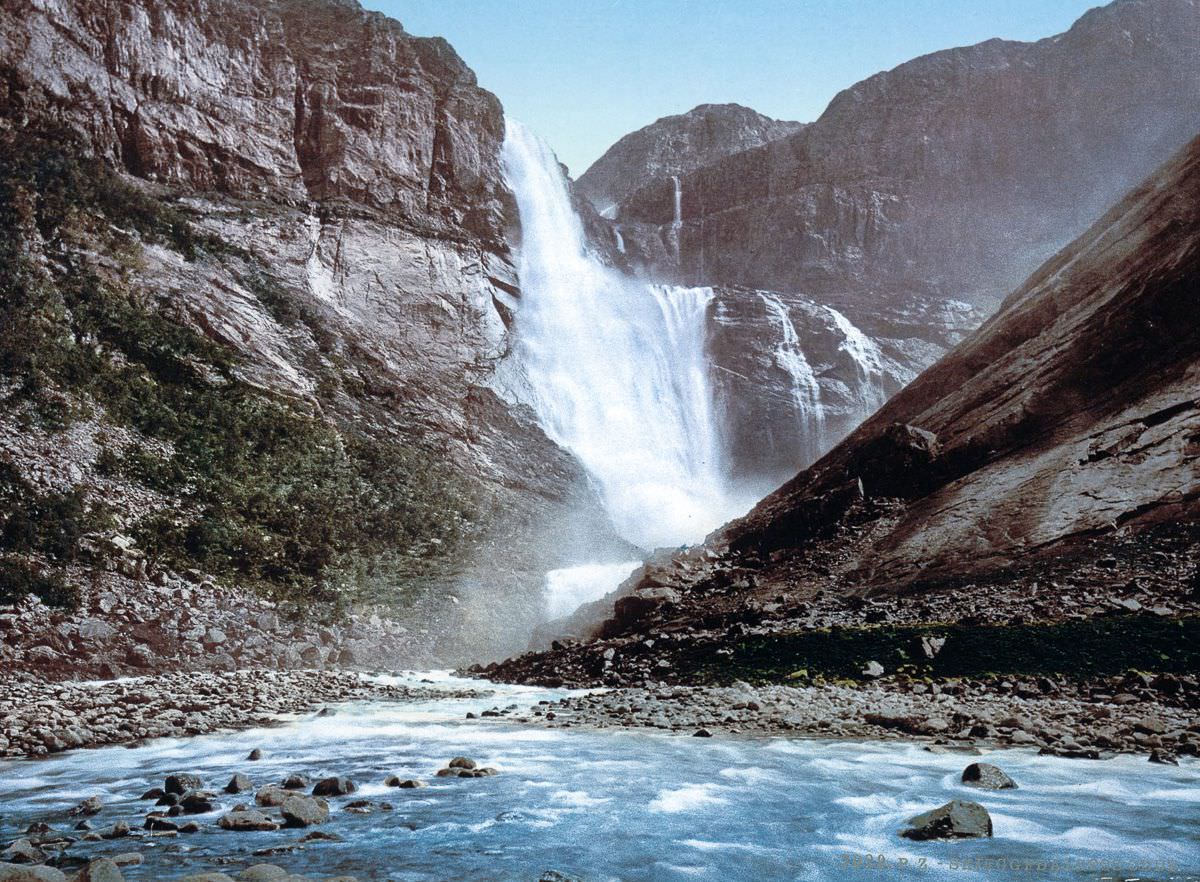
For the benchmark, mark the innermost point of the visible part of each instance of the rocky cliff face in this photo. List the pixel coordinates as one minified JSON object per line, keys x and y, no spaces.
{"x":330,"y":213}
{"x":675,"y":145}
{"x":953,"y":174}
{"x":793,"y":376}
{"x":289,"y":101}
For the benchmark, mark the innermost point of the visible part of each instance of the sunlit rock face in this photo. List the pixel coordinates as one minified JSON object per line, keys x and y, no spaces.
{"x":290,"y":101}
{"x":954,"y":174}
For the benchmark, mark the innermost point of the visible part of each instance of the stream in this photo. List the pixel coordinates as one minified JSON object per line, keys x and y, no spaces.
{"x":622,"y":805}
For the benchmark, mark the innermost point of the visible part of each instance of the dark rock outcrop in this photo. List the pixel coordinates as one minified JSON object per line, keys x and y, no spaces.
{"x":956,"y":819}
{"x":987,"y":777}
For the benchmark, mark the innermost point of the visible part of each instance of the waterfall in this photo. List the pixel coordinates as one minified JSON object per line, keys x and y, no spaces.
{"x":678,"y":221}
{"x":619,"y":238}
{"x":617,"y":369}
{"x":806,"y":391}
{"x":868,"y":362}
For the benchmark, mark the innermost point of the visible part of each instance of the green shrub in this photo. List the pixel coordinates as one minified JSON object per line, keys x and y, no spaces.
{"x":50,"y":524}
{"x":19,"y":577}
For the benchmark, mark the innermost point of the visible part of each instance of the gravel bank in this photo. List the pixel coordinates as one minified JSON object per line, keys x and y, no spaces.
{"x":39,"y":718}
{"x":949,"y":715}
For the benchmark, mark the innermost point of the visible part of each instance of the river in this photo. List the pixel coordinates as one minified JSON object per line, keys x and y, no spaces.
{"x":620,"y":805}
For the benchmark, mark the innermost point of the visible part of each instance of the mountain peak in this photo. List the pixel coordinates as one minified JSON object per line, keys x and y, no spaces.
{"x":675,"y":145}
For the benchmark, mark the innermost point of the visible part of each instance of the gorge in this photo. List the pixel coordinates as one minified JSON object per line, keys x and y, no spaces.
{"x":761,"y":483}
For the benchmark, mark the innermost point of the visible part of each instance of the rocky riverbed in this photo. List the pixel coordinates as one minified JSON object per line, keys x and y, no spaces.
{"x":970,"y":716}
{"x":41,"y":718}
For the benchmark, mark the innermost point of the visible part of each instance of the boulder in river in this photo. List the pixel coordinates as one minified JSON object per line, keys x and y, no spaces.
{"x":249,"y":819}
{"x":180,"y":784}
{"x":403,"y":783}
{"x":90,"y":806}
{"x":295,"y":782}
{"x":262,"y":873}
{"x":238,"y":783}
{"x":196,"y":803}
{"x":22,"y":852}
{"x":462,"y":762}
{"x":272,"y":795}
{"x":987,"y":777}
{"x":101,"y":870}
{"x":254,"y":755}
{"x":304,"y":811}
{"x":957,"y":819}
{"x":337,"y":786}
{"x":20,"y":873}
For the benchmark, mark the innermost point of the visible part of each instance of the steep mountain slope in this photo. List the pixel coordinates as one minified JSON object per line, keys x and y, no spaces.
{"x":1071,"y":412}
{"x":1047,"y":469}
{"x":955,"y":173}
{"x":254,"y":264}
{"x":675,"y":145}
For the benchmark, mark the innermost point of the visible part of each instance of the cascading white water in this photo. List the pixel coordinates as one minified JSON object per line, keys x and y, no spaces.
{"x":617,"y":368}
{"x":868,"y":361}
{"x":677,"y":219}
{"x":806,"y":391}
{"x":620,"y":240}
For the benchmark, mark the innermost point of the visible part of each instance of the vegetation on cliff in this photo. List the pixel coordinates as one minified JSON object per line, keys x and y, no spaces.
{"x":255,"y":487}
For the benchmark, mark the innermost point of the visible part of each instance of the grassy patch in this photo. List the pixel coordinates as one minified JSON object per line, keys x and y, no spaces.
{"x":1094,"y":647}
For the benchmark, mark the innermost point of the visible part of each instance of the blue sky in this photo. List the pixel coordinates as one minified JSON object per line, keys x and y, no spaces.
{"x":582,"y":73}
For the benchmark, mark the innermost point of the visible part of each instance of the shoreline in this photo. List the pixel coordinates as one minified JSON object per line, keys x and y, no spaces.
{"x":43,"y":718}
{"x":40,"y":718}
{"x":1068,"y":727}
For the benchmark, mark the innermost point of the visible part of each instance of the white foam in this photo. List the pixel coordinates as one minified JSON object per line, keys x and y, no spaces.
{"x":687,"y":798}
{"x":617,"y":369}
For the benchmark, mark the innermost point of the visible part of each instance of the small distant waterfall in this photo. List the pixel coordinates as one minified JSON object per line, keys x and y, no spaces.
{"x":619,"y":238}
{"x":806,"y":391}
{"x":617,"y":368}
{"x":868,"y":362}
{"x":677,"y":221}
